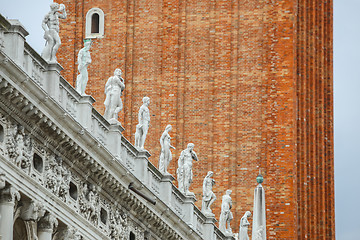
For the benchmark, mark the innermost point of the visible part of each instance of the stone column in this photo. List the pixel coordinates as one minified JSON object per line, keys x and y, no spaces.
{"x":8,"y":198}
{"x":46,"y":226}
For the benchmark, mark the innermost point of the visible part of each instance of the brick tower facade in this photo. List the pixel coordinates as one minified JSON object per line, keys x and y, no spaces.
{"x":249,"y":82}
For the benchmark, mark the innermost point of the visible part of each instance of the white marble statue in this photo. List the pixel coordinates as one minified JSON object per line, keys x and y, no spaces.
{"x":143,"y":126}
{"x":244,"y":224}
{"x":50,"y":24}
{"x":184,"y":171}
{"x":84,"y":60}
{"x":226,"y":215}
{"x":165,"y":155}
{"x":208,"y":195}
{"x":114,"y":87}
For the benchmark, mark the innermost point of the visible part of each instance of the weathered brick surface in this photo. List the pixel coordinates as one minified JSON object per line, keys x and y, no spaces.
{"x":248,"y":81}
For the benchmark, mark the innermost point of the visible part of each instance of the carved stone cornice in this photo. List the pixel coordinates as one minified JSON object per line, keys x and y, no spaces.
{"x":9,"y":195}
{"x":47,"y":222}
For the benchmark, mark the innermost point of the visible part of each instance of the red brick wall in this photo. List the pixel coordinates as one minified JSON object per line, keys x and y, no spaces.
{"x":236,"y":78}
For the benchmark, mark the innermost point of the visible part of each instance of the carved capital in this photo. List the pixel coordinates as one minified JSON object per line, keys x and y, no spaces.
{"x":67,"y":233}
{"x":48,"y":222}
{"x":32,"y":210}
{"x":9,"y":195}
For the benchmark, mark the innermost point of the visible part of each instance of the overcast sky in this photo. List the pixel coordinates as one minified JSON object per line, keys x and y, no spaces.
{"x":347,"y":99}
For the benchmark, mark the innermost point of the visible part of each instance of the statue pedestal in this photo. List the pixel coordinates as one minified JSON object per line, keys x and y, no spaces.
{"x":114,"y":122}
{"x":229,"y":236}
{"x":209,"y":214}
{"x":85,"y":110}
{"x":141,"y":165}
{"x":166,"y":188}
{"x":209,"y":227}
{"x":114,"y":140}
{"x":189,"y":205}
{"x":51,"y":84}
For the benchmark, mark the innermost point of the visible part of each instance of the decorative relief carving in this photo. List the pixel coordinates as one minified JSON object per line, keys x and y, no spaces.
{"x":23,"y":148}
{"x":19,"y":146}
{"x":118,"y":225}
{"x":57,"y":178}
{"x":11,"y":142}
{"x":139,"y":233}
{"x":89,"y":203}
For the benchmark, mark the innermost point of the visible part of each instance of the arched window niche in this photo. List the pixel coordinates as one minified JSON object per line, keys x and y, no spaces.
{"x":94,"y":27}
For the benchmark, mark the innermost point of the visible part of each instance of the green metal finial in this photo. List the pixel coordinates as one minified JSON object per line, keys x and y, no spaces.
{"x":260,"y":178}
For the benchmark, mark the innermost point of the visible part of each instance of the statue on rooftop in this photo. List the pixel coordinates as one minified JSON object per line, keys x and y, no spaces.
{"x":208,"y":195}
{"x":84,"y":60}
{"x":244,"y":224}
{"x":114,"y":87}
{"x":165,"y":155}
{"x":50,"y":24}
{"x":143,"y":125}
{"x":226,"y":216}
{"x":184,"y":171}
